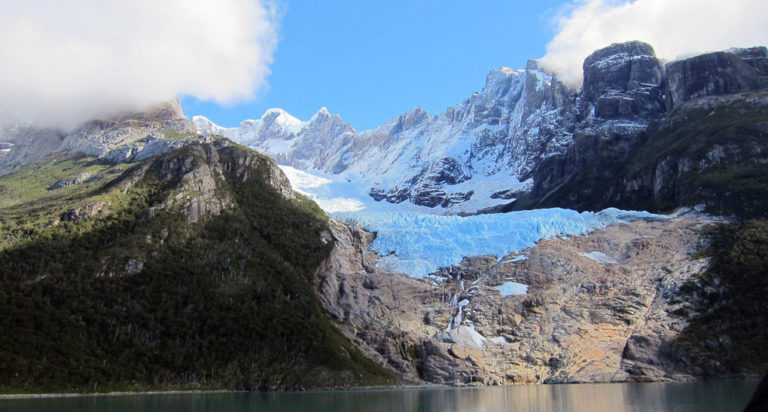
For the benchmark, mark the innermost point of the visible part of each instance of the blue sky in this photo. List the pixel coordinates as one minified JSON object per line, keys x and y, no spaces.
{"x":369,"y":61}
{"x":365,"y":60}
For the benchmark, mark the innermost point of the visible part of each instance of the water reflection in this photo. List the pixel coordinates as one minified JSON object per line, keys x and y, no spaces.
{"x":699,"y":396}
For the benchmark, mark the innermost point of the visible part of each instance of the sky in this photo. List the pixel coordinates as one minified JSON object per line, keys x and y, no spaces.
{"x":65,"y":62}
{"x":369,"y":61}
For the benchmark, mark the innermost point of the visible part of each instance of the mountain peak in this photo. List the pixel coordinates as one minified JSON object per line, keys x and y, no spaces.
{"x":499,"y":76}
{"x":282,"y":119}
{"x":204,"y":125}
{"x":160,"y":112}
{"x":323,"y":112}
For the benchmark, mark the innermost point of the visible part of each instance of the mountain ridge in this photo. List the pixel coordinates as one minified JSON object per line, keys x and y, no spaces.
{"x":519,"y":121}
{"x":145,"y":211}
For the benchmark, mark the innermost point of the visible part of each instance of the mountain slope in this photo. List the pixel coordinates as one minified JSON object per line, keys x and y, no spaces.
{"x":430,"y":161}
{"x":124,"y":138}
{"x":193,"y":269}
{"x":526,"y":138}
{"x":709,"y":148}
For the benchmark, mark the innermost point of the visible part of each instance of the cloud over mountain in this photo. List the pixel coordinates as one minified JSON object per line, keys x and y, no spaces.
{"x":65,"y":62}
{"x":675,"y":28}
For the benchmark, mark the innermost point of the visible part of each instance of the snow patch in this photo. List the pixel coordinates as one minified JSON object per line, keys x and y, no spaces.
{"x":599,"y":257}
{"x":302,"y":181}
{"x":512,"y":288}
{"x":516,"y":259}
{"x":463,"y":335}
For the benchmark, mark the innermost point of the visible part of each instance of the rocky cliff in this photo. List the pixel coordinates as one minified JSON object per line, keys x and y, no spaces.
{"x":705,"y":143}
{"x":497,"y":135}
{"x":604,"y":307}
{"x":527,"y":137}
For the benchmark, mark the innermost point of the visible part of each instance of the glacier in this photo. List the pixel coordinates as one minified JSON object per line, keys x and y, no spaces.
{"x":419,"y":244}
{"x":418,"y":240}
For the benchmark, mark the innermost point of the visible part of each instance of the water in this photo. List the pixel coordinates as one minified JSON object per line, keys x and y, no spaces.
{"x":677,"y":397}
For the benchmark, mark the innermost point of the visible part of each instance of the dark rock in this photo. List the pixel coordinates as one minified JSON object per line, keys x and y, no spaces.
{"x":622,"y":81}
{"x":428,"y":196}
{"x":471,"y":268}
{"x":445,"y":171}
{"x":556,"y":95}
{"x":507,"y":194}
{"x":84,"y":177}
{"x":456,"y":198}
{"x":556,"y":363}
{"x":642,"y":348}
{"x":377,"y":194}
{"x":715,"y":74}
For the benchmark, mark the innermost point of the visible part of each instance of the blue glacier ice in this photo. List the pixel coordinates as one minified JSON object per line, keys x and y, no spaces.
{"x":418,"y":243}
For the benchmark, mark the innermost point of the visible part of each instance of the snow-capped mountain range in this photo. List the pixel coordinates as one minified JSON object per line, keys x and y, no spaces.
{"x":482,"y":150}
{"x":524,"y":141}
{"x":524,"y":133}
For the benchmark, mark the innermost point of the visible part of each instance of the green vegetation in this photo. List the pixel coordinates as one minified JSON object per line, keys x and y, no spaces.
{"x":31,"y":182}
{"x":730,"y":331}
{"x":130,"y":300}
{"x":173,"y":134}
{"x":29,"y":207}
{"x":712,"y":156}
{"x":716,"y":157}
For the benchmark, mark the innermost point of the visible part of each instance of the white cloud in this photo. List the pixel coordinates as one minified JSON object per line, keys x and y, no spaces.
{"x":62,"y":62}
{"x":675,"y":28}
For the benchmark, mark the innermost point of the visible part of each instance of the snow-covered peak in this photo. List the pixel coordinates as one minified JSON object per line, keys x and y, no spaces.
{"x":321,"y":114}
{"x":497,"y":78}
{"x":206,"y":126}
{"x":406,"y":121}
{"x":283,"y":120}
{"x":479,"y":153}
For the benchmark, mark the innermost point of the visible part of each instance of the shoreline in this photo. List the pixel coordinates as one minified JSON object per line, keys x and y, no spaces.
{"x":117,"y":393}
{"x":23,"y":396}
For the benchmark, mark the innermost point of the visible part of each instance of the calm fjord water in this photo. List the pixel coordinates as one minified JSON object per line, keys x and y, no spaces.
{"x":677,"y":397}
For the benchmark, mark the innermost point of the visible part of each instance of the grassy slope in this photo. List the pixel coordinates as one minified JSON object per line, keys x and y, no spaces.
{"x":225,"y":303}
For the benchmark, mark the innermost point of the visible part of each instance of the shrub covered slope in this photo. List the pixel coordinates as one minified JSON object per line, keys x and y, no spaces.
{"x":120,"y":283}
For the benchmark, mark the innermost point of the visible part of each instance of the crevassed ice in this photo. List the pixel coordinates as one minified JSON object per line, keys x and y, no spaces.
{"x":417,"y":241}
{"x":418,"y":244}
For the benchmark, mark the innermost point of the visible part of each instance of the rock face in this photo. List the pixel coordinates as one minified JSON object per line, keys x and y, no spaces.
{"x":715,"y":74}
{"x":688,"y":149}
{"x":126,"y":138}
{"x":197,"y":170}
{"x":24,"y":144}
{"x":500,"y":133}
{"x":525,"y":140}
{"x":599,"y":308}
{"x":135,"y":136}
{"x":623,"y":81}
